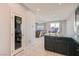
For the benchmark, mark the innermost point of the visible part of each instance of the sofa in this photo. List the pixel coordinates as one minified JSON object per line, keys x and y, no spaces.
{"x":63,"y":45}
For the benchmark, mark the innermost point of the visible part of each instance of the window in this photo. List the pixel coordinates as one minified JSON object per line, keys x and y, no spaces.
{"x":54,"y":27}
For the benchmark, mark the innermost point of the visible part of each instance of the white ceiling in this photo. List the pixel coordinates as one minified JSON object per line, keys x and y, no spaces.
{"x":51,"y":11}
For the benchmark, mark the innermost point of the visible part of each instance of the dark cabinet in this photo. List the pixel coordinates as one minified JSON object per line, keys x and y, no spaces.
{"x":63,"y":45}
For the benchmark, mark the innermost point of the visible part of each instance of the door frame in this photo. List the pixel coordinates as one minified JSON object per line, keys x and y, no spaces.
{"x":13,"y":51}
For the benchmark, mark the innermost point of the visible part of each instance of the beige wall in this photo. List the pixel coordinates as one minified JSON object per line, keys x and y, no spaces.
{"x":6,"y":11}
{"x":4,"y":29}
{"x":70,"y":25}
{"x":29,"y":28}
{"x":63,"y":28}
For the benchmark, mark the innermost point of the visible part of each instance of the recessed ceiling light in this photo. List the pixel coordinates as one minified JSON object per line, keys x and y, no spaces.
{"x":38,"y":9}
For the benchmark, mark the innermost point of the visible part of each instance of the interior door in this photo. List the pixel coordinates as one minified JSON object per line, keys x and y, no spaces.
{"x":16,"y":34}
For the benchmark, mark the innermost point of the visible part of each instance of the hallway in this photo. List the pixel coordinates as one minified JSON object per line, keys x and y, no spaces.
{"x":38,"y":50}
{"x":19,"y":23}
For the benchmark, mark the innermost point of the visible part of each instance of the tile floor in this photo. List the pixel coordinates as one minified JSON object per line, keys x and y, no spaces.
{"x":37,"y":50}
